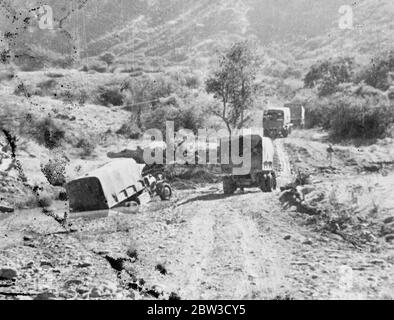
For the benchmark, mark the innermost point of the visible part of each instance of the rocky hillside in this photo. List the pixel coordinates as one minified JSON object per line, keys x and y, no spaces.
{"x":176,"y":31}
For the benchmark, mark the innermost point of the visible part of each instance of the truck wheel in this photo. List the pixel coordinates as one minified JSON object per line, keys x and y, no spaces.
{"x":165,"y":192}
{"x":268,"y":183}
{"x":229,"y":186}
{"x":265,"y":183}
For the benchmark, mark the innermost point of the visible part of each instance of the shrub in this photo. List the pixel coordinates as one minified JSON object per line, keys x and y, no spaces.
{"x":357,"y":118}
{"x":351,"y":116}
{"x":45,"y":200}
{"x":6,"y":74}
{"x":107,"y":95}
{"x":54,"y":75}
{"x":47,"y":87}
{"x":377,"y":73}
{"x":129,"y":130}
{"x":327,"y":75}
{"x":108,"y":58}
{"x":48,"y":132}
{"x":192,"y":81}
{"x":156,"y":118}
{"x":25,"y":90}
{"x":189,"y":118}
{"x":55,"y":170}
{"x":98,"y":66}
{"x":87,"y":147}
{"x":65,"y":62}
{"x":36,"y":58}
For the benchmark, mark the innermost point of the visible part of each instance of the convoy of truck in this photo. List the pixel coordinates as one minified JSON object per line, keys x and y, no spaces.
{"x":124,"y":180}
{"x":279,"y":121}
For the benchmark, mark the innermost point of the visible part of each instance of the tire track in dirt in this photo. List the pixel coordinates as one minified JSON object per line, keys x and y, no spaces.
{"x":223,"y":254}
{"x":285,"y":175}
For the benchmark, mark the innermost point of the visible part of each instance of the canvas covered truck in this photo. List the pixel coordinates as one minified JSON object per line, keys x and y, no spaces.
{"x":112,"y":185}
{"x":297,"y":113}
{"x":261,"y":172}
{"x":277,"y":122}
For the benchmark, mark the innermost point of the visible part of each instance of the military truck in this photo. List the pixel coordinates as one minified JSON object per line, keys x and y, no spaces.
{"x":277,"y":122}
{"x":297,"y":114}
{"x":114,"y":184}
{"x":261,"y":174}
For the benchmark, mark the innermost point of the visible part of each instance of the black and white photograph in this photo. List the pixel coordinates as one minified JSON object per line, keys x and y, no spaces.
{"x":196,"y":150}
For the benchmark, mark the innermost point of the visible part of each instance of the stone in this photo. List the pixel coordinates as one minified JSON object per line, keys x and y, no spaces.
{"x":390,"y":238}
{"x":287,"y":238}
{"x":84,"y":265}
{"x":387,"y":229}
{"x":45,"y":263}
{"x":8,"y":274}
{"x":45,"y":296}
{"x":72,"y":282}
{"x":5,"y":208}
{"x":388,"y":220}
{"x":95,"y":293}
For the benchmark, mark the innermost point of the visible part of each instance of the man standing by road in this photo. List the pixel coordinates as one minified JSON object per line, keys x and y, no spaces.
{"x":330,"y":151}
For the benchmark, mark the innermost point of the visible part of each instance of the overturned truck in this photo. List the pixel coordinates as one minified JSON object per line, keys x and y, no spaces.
{"x":112,"y":185}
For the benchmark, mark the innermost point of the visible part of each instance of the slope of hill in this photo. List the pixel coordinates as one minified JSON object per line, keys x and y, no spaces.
{"x":185,"y":30}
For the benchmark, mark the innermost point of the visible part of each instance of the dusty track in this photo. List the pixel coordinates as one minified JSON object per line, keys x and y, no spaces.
{"x":212,"y":246}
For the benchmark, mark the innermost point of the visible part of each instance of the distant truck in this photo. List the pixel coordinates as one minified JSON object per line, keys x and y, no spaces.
{"x":297,"y":114}
{"x":277,"y":122}
{"x":261,"y":175}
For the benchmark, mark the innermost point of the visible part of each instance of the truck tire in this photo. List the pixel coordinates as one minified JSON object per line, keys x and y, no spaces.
{"x":165,"y":192}
{"x":229,"y":187}
{"x":265,"y":183}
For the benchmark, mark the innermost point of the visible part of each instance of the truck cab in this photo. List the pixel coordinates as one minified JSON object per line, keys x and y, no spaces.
{"x":277,"y":122}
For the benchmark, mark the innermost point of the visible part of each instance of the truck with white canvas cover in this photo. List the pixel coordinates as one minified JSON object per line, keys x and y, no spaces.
{"x":261,"y":172}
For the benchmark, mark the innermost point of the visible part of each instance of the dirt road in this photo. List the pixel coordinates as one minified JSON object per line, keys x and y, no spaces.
{"x":208,"y":246}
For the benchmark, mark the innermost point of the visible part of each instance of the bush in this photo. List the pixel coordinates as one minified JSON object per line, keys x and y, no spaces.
{"x":47,"y":132}
{"x":189,"y":118}
{"x":6,"y":74}
{"x":55,"y":171}
{"x":129,"y":130}
{"x":47,"y":87}
{"x":108,"y":58}
{"x":25,"y":90}
{"x":98,"y":66}
{"x":107,"y":95}
{"x":87,"y":147}
{"x":156,"y":118}
{"x":357,"y":118}
{"x":377,"y":74}
{"x":351,"y":116}
{"x":36,"y":58}
{"x":326,"y":76}
{"x":45,"y":200}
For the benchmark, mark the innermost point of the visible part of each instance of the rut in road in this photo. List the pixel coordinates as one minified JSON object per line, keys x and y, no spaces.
{"x":224,"y":252}
{"x":224,"y":255}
